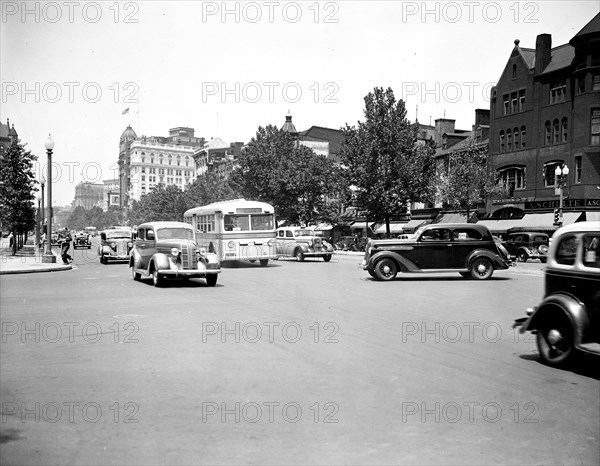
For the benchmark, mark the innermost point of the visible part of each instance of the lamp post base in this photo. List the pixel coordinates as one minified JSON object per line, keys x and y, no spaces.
{"x":48,"y":258}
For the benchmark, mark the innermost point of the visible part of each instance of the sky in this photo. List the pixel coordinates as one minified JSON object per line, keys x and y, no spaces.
{"x":83,"y":71}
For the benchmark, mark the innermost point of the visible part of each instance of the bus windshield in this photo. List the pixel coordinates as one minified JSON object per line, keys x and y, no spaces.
{"x":304,"y":233}
{"x":246,"y":222}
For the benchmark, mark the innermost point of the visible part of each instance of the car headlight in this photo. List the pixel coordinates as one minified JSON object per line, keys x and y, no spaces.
{"x":113,"y":245}
{"x":130,"y":244}
{"x":174,"y":251}
{"x":231,"y":245}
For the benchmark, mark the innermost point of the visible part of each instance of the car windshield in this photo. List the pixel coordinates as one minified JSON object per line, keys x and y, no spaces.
{"x":175,"y":233}
{"x":304,"y":233}
{"x":118,"y":234}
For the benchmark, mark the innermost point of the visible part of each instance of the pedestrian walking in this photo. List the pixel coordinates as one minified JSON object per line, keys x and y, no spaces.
{"x":65,"y":245}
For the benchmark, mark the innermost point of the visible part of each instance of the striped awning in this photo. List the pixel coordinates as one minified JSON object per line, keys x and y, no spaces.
{"x":535,"y":222}
{"x":395,"y":227}
{"x":360,"y":225}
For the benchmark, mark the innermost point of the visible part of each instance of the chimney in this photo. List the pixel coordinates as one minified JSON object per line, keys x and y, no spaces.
{"x":543,"y":52}
{"x":443,"y":125}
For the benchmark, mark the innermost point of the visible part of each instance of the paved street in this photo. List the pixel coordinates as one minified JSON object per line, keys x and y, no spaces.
{"x":295,"y":363}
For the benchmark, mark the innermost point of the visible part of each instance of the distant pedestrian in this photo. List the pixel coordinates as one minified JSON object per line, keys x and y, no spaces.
{"x":65,"y":245}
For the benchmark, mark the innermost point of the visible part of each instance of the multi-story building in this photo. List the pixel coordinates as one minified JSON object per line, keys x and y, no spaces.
{"x":145,"y":162}
{"x":88,"y":195}
{"x":8,"y":134}
{"x":545,"y":113}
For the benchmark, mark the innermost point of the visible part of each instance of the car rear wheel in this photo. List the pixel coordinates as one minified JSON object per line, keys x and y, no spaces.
{"x":263,"y":263}
{"x":522,"y":256}
{"x":386,"y":269}
{"x":543,"y":260}
{"x":102,"y":260}
{"x":555,"y":341}
{"x":299,"y":255}
{"x":327,"y":257}
{"x":156,"y":278}
{"x":136,"y":276}
{"x":211,"y":280}
{"x":482,"y":268}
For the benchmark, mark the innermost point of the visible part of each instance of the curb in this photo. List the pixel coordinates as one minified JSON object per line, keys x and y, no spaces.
{"x":58,"y":268}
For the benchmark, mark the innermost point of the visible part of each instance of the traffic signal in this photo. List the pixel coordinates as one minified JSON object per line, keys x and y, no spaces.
{"x":557,"y":217}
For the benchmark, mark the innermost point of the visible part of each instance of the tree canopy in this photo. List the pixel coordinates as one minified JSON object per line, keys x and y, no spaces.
{"x":383,"y":160}
{"x":17,"y":190}
{"x":275,"y":168}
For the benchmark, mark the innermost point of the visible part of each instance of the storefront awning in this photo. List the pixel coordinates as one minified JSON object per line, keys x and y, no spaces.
{"x":591,"y":217}
{"x":323,"y":227}
{"x":360,"y":225}
{"x":535,"y":222}
{"x":395,"y":227}
{"x":412,"y":225}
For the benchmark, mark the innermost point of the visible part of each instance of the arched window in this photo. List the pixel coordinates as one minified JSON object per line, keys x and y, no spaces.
{"x":160,"y":159}
{"x":549,"y":176}
{"x":502,"y":141}
{"x":523,"y":136}
{"x":512,"y":177}
{"x":564,"y":130}
{"x":516,"y":137}
{"x":548,"y":133}
{"x":178,"y":160}
{"x":187,"y":161}
{"x":555,"y":131}
{"x":508,"y":140}
{"x":170,"y":159}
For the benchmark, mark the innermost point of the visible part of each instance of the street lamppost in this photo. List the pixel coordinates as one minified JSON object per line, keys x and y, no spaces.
{"x":48,"y":256}
{"x":42,"y":184}
{"x":561,"y":175}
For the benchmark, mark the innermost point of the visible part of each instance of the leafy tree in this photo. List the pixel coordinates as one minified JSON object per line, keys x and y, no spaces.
{"x":209,"y":188}
{"x":17,"y":188}
{"x":163,"y":203}
{"x":383,"y":159}
{"x":77,"y":219}
{"x":275,"y":168}
{"x":464,"y":181}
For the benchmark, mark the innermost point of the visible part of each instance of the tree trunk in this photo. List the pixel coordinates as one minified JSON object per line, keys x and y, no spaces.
{"x":387,"y":227}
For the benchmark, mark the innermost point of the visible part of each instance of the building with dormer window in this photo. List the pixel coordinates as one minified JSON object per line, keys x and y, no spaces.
{"x":545,"y":113}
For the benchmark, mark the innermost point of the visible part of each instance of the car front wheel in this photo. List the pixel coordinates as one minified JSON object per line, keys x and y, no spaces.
{"x":555,"y":341}
{"x":482,"y":268}
{"x":263,"y":263}
{"x":522,"y":256}
{"x":136,"y":276}
{"x":327,"y":257}
{"x":386,"y":269}
{"x":299,"y":255}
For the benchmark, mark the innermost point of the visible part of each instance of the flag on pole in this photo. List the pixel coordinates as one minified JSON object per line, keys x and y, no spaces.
{"x":125,"y":111}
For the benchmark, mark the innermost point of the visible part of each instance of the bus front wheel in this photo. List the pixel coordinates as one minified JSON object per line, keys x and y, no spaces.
{"x":264,"y":262}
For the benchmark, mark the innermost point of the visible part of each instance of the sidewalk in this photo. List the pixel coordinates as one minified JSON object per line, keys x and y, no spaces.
{"x":27,"y":260}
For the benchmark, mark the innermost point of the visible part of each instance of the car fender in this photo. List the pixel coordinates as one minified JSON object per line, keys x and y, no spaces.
{"x":570,"y":306}
{"x":159,"y":261}
{"x":496,"y":260}
{"x":105,"y":250}
{"x":302,"y":246}
{"x":527,"y":250}
{"x":404,"y":264}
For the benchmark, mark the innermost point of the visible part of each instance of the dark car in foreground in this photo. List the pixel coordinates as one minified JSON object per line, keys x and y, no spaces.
{"x":468,"y":249}
{"x":567,"y":321}
{"x":527,"y":245}
{"x":169,"y":250}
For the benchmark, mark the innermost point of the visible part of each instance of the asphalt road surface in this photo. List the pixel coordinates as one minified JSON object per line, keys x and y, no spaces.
{"x":295,"y":363}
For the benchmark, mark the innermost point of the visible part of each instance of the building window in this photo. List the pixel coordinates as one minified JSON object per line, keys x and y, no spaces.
{"x":151,"y":159}
{"x":564,"y":130}
{"x":516,"y":137}
{"x":506,"y":103}
{"x":595,"y":127}
{"x":143,"y":169}
{"x":478,"y":134}
{"x":558,"y":92}
{"x":143,"y":178}
{"x":513,"y":108}
{"x":508,"y":140}
{"x":521,"y":101}
{"x":578,"y":164}
{"x":187,"y":161}
{"x":170,"y":159}
{"x":581,"y":85}
{"x":549,"y":177}
{"x":548,"y":133}
{"x":514,"y":71}
{"x":596,"y":82}
{"x":160,"y":159}
{"x":512,"y":177}
{"x":523,"y":136}
{"x":501,"y":141}
{"x":178,"y":160}
{"x":555,"y":131}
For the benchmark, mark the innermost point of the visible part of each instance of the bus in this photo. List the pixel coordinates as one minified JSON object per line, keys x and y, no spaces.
{"x":235,"y":230}
{"x":90,"y":231}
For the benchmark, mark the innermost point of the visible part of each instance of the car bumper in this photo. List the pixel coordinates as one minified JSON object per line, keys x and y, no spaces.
{"x":317,"y":253}
{"x":188,"y":273}
{"x":115,"y":258}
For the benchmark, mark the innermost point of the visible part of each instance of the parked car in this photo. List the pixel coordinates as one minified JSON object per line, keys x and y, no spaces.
{"x":567,"y":321}
{"x":168,"y":250}
{"x":465,"y":248}
{"x":82,"y":240}
{"x":115,"y":245}
{"x":301,"y":242}
{"x":527,"y":245}
{"x":351,"y":243}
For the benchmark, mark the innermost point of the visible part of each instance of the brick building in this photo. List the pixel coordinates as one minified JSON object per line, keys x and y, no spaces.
{"x":544,"y":114}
